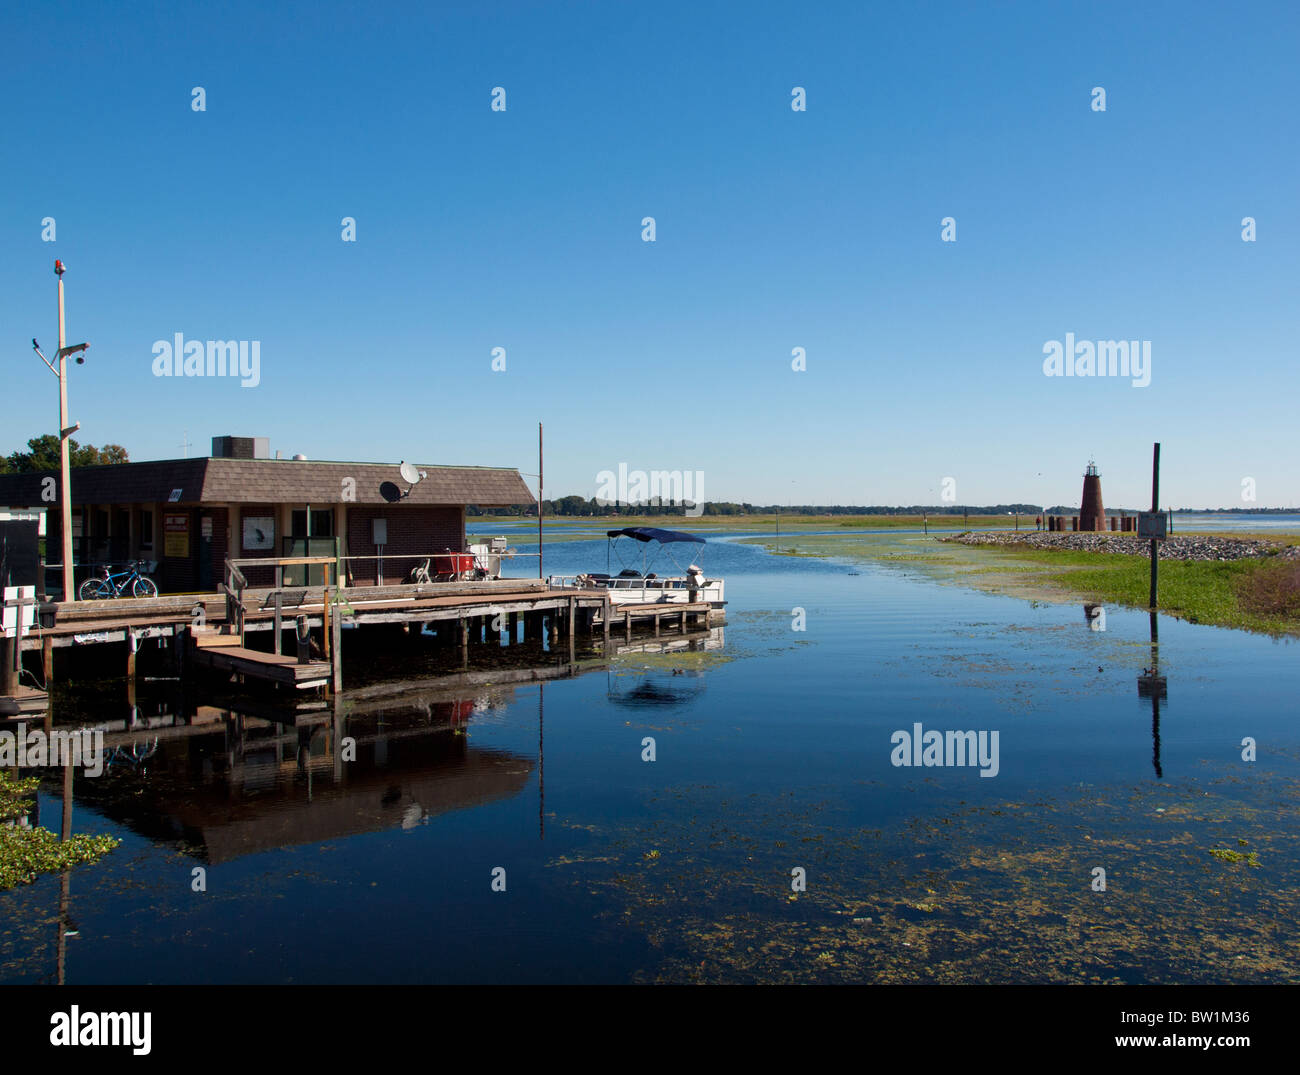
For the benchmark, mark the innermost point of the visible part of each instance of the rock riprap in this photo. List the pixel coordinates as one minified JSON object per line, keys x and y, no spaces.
{"x":1176,"y":547}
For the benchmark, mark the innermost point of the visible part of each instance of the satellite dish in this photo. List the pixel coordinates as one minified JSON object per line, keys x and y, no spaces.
{"x":410,"y":474}
{"x":390,"y":492}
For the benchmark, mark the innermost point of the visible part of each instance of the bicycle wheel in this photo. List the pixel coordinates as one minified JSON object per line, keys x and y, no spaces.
{"x":143,"y":587}
{"x":94,"y":590}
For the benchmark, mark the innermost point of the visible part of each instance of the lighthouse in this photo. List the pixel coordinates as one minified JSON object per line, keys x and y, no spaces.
{"x":1092,"y":516}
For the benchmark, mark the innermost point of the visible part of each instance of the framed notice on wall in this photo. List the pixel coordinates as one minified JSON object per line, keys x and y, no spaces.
{"x":259,"y":532}
{"x":176,"y":535}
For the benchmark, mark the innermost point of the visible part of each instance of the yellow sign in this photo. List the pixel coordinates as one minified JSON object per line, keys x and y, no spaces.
{"x":176,"y":535}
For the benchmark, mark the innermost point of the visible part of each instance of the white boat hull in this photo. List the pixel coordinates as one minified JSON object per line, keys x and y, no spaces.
{"x":663,"y":591}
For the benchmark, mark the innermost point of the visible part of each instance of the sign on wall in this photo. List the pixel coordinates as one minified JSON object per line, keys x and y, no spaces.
{"x":259,"y":532}
{"x":176,"y":535}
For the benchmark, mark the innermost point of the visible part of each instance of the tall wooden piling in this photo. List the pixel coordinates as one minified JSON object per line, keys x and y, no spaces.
{"x":336,"y":626}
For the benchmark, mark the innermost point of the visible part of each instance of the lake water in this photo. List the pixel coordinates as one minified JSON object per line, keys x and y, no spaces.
{"x":774,"y":750}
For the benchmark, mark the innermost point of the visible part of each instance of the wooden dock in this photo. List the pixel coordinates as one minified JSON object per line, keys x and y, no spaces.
{"x":269,"y":667}
{"x":212,"y":630}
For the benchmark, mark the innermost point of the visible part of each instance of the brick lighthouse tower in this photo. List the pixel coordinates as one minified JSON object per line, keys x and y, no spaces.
{"x":1092,"y":516}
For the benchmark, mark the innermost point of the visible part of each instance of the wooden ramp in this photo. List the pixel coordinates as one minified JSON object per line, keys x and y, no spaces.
{"x":269,"y":667}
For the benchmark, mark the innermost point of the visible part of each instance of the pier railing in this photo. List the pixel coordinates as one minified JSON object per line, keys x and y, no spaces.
{"x":236,"y":582}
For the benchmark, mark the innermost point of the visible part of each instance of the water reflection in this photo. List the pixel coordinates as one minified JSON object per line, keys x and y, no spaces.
{"x":239,"y":775}
{"x":1152,"y":685}
{"x":230,"y":782}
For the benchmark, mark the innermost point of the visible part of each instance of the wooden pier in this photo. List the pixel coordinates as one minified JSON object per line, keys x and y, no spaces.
{"x":213,"y":630}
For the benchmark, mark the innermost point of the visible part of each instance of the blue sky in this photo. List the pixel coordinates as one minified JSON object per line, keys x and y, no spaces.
{"x":775,"y":229}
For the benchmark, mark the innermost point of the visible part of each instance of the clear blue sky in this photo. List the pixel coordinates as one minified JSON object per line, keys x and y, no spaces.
{"x":775,"y":229}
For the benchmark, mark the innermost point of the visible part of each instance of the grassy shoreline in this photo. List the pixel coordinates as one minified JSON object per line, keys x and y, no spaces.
{"x":1249,"y":594}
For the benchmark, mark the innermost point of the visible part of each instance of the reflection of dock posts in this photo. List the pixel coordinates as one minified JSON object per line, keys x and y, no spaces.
{"x":65,"y":883}
{"x":541,"y":760}
{"x":627,"y":626}
{"x":336,"y":743}
{"x":68,"y":803}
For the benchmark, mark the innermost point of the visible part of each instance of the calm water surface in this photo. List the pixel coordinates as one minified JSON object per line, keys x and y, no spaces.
{"x":773,"y":755}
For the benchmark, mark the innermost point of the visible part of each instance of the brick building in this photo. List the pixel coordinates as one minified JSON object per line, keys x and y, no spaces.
{"x":189,"y":515}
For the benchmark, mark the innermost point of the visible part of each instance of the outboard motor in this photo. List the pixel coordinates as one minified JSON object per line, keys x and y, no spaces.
{"x":695,"y":580}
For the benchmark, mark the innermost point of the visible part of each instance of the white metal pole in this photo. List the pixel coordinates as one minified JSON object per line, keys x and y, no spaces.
{"x":65,"y":469}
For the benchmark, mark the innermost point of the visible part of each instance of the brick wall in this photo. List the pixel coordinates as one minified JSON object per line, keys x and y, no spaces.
{"x":411,"y":531}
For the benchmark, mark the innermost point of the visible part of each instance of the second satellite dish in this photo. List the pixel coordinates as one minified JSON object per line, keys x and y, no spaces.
{"x":410,"y":474}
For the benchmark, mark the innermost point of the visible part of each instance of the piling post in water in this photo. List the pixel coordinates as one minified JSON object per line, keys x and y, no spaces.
{"x":1155,"y":545}
{"x":325,"y":622}
{"x":132,"y":644}
{"x":302,"y":633}
{"x":10,"y":655}
{"x":279,"y":621}
{"x":336,"y":627}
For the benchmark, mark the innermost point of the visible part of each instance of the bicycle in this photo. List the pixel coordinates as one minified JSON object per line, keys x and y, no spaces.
{"x":108,"y":586}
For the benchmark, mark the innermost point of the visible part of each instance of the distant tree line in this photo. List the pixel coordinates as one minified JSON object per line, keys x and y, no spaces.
{"x":576,"y":506}
{"x":43,"y":454}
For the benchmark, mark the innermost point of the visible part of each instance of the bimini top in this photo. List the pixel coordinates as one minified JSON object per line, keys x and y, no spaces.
{"x":651,"y":533}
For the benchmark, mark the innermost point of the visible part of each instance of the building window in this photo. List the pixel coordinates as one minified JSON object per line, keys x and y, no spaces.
{"x":146,"y":528}
{"x":322,"y":523}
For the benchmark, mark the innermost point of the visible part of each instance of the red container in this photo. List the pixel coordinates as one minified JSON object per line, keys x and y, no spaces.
{"x":453,"y":563}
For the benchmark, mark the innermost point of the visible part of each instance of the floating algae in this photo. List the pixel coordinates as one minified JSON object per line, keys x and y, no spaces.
{"x":974,"y":895}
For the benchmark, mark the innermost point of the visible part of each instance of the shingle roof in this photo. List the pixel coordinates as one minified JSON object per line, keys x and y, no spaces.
{"x":270,"y":481}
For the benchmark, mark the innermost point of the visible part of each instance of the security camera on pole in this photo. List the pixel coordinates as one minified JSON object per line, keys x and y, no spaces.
{"x":65,"y":431}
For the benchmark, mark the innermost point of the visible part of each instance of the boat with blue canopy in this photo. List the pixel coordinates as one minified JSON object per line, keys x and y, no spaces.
{"x":633,"y":585}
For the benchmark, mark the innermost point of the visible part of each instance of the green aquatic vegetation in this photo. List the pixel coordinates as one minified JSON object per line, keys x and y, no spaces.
{"x":1226,"y":854}
{"x":25,"y":852}
{"x":997,"y":893}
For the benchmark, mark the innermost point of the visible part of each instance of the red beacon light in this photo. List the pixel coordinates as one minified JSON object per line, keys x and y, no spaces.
{"x":58,"y":267}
